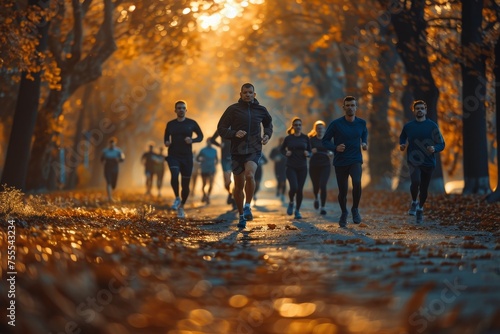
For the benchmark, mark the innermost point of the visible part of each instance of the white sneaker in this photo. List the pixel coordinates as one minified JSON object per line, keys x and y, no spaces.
{"x":181,"y":213}
{"x":176,"y":204}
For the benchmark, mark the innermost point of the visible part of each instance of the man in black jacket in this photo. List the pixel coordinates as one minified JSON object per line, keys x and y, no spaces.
{"x":242,"y":123}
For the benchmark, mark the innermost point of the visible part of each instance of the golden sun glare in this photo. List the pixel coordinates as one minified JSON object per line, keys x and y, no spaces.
{"x":230,"y":10}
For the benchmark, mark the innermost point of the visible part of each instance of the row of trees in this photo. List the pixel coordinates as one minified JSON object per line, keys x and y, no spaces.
{"x":365,"y":41}
{"x":306,"y":54}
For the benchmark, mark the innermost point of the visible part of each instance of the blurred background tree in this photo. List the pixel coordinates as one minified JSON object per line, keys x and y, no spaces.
{"x":116,"y":68}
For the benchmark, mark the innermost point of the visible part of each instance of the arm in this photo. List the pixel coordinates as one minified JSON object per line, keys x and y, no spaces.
{"x":364,"y":138}
{"x":224,"y":125}
{"x":199,"y":134}
{"x":267,"y":122}
{"x":283,"y":147}
{"x":438,"y":140}
{"x":403,"y":137}
{"x":327,"y":138}
{"x":166,"y":136}
{"x":213,"y":139}
{"x":308,"y":149}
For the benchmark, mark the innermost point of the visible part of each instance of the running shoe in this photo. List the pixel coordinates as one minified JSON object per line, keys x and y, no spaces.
{"x":181,"y":213}
{"x":413,"y":208}
{"x":343,"y":219}
{"x":247,"y":212}
{"x":176,"y":204}
{"x":356,"y":217}
{"x":420,"y":215}
{"x":242,"y":222}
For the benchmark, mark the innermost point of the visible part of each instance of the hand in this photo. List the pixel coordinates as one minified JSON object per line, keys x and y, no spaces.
{"x":188,"y":140}
{"x":167,"y":143}
{"x":330,"y":153}
{"x":314,"y":150}
{"x":340,"y":148}
{"x":240,"y":134}
{"x":306,"y":153}
{"x":288,"y":153}
{"x":431,"y":149}
{"x":402,"y":147}
{"x":265,"y":140}
{"x":364,"y":146}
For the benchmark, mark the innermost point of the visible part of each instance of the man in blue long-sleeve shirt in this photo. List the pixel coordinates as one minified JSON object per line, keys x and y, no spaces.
{"x":422,"y":138}
{"x":349,"y":134}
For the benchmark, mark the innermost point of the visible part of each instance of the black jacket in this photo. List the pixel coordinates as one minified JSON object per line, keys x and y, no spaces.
{"x":247,"y":117}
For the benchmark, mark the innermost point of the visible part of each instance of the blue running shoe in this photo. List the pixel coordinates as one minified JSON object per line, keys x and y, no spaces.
{"x":242,"y":223}
{"x":247,"y":213}
{"x":289,"y":210}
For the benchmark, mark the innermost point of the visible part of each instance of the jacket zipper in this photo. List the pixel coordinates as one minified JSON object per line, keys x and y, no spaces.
{"x":249,"y":127}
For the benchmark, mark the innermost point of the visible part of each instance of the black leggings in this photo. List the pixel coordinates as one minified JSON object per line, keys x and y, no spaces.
{"x":319,"y":176}
{"x":174,"y":182}
{"x":420,"y":180}
{"x":343,"y":173}
{"x":296,"y":179}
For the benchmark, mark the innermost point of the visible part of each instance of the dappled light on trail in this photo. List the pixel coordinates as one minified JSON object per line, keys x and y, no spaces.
{"x":131,"y":266}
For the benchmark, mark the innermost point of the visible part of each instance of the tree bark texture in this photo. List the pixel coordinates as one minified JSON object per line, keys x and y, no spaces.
{"x":475,"y":146}
{"x":410,"y":27}
{"x":18,"y":150}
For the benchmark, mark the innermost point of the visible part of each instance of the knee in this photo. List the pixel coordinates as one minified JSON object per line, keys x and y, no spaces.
{"x":249,"y":175}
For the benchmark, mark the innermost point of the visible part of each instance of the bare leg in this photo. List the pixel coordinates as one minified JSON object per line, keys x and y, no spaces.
{"x":239,"y":184}
{"x":250,"y":168}
{"x":227,"y":181}
{"x":109,"y":190}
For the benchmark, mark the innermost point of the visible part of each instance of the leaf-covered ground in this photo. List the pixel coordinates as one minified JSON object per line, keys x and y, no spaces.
{"x":87,"y":266}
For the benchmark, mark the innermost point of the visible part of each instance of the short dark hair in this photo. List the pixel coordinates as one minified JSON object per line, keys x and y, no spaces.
{"x":179,"y":102}
{"x":349,"y":98}
{"x":418,"y":102}
{"x":247,"y":85}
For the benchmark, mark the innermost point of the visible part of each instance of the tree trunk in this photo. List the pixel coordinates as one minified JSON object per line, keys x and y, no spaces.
{"x":46,"y":136}
{"x":75,"y":156}
{"x":326,"y":81}
{"x":495,"y":196}
{"x":349,"y":53}
{"x":18,"y":150}
{"x":381,"y":145}
{"x":75,"y":72}
{"x":404,"y":173}
{"x":475,"y":146}
{"x":412,"y":47}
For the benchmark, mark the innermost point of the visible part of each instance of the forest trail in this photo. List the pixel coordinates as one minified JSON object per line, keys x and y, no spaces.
{"x":151,"y":272}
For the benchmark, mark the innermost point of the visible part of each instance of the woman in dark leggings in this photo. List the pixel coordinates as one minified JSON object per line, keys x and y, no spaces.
{"x":319,"y":164}
{"x":297,"y":148}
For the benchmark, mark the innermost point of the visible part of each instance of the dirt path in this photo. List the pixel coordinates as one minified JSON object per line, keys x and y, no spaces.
{"x":88,"y":266}
{"x":414,"y":274}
